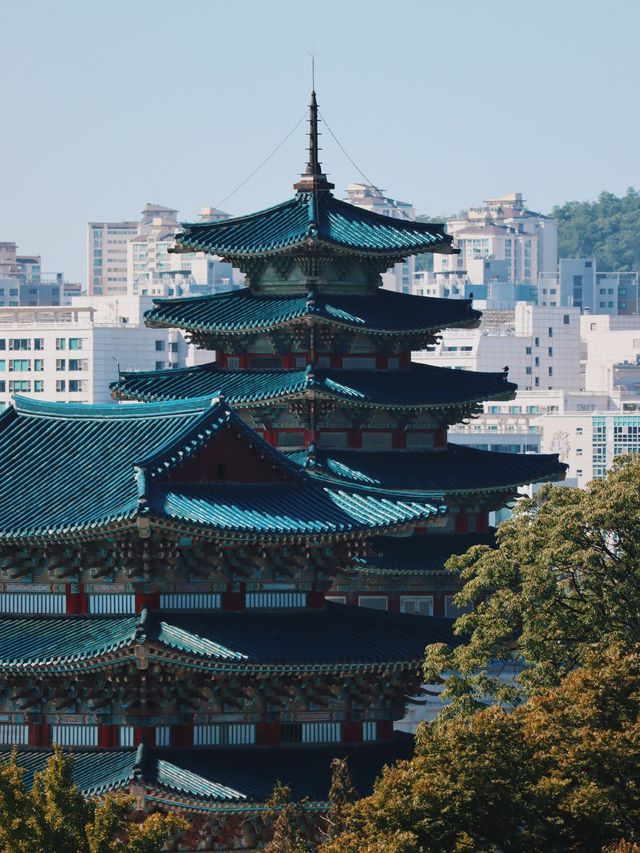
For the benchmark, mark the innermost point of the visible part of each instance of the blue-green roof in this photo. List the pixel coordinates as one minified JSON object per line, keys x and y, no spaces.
{"x":420,"y":386}
{"x":313,"y":220}
{"x":418,"y":555}
{"x":242,"y":312}
{"x":221,"y":776}
{"x":454,"y":469}
{"x":66,"y":470}
{"x":95,"y":773}
{"x":328,"y":638}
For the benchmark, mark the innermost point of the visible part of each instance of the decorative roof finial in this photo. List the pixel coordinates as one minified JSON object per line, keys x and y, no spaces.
{"x":313,"y":177}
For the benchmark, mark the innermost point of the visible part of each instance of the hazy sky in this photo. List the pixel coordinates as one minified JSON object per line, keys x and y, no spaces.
{"x":108,"y":105}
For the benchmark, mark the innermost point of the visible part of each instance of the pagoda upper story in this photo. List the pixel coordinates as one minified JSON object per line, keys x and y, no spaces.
{"x":316,"y":357}
{"x":313,"y":241}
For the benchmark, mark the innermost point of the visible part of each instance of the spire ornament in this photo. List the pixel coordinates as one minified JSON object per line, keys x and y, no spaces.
{"x":313,"y":179}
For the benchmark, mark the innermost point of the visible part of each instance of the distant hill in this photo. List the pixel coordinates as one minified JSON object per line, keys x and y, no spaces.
{"x":607,"y":229}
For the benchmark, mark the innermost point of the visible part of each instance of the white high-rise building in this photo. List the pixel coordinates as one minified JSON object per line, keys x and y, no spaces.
{"x":399,"y":277}
{"x":72,"y":353}
{"x":503,"y":230}
{"x":539,"y":346}
{"x":107,"y":257}
{"x":135,"y":258}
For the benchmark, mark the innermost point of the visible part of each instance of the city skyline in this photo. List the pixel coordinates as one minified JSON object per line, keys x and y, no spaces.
{"x":441,"y":108}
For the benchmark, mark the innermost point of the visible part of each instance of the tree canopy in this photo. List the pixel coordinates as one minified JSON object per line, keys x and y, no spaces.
{"x":54,"y":817}
{"x":607,"y":229}
{"x":563,"y":581}
{"x":559,"y":773}
{"x":552,"y":765}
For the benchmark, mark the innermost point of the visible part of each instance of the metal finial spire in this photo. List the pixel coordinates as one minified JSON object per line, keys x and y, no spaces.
{"x":313,"y":177}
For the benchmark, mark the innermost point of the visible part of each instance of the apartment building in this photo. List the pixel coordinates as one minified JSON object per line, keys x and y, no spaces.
{"x":539,"y":346}
{"x":107,"y":257}
{"x":523,"y":242}
{"x":72,"y":353}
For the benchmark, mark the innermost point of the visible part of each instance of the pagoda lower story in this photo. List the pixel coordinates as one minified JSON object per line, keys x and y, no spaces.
{"x":171,"y":627}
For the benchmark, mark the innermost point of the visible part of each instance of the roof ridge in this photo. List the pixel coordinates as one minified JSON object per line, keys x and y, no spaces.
{"x":92,"y":411}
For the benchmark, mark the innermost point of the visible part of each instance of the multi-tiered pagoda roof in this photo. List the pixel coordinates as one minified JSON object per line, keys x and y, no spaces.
{"x":165,"y":567}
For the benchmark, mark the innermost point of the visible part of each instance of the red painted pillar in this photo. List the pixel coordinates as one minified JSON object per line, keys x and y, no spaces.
{"x":382,"y":362}
{"x":182,"y":735}
{"x":462,"y":522}
{"x":440,"y":438}
{"x":287,"y":361}
{"x":151,"y":600}
{"x":482,"y":522}
{"x":336,"y":361}
{"x":438,"y":604}
{"x":405,"y":359}
{"x":144,"y":733}
{"x":232,"y":600}
{"x":243,"y":361}
{"x":355,"y":438}
{"x":268,"y":734}
{"x":385,"y":729}
{"x":107,"y":736}
{"x":351,"y":731}
{"x":315,"y":600}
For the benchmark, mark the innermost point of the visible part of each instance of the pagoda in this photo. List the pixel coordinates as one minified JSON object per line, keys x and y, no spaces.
{"x":163,"y":572}
{"x":316,"y":358}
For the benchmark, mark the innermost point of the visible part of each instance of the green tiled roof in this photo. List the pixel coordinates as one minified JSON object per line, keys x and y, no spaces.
{"x":420,"y":386}
{"x":95,"y":773}
{"x":456,"y":469}
{"x":62,"y":642}
{"x":286,"y":509}
{"x":66,"y":469}
{"x":417,"y":555}
{"x":332,"y":637}
{"x":313,"y":220}
{"x":242,"y":311}
{"x":222,"y":776}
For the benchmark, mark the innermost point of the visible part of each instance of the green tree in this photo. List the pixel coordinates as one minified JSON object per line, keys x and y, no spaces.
{"x":54,"y":817}
{"x":341,"y":794}
{"x":559,"y":773}
{"x":607,"y":229}
{"x":563,"y":581}
{"x":288,"y":822}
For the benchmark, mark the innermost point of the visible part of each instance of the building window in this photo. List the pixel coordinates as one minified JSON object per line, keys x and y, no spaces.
{"x":159,"y":365}
{"x":61,"y":364}
{"x":173,"y":346}
{"x":38,"y":343}
{"x":528,"y":371}
{"x":373,"y":602}
{"x":76,"y":385}
{"x":38,"y":385}
{"x":578,"y":430}
{"x":61,"y":385}
{"x":19,"y":344}
{"x":550,"y":331}
{"x":38,"y":365}
{"x":75,"y":343}
{"x":551,"y":371}
{"x":550,"y":352}
{"x":418,"y":605}
{"x":19,"y":385}
{"x":537,"y":342}
{"x":159,"y":346}
{"x":61,"y":343}
{"x":528,"y":350}
{"x":565,"y":319}
{"x":19,"y":365}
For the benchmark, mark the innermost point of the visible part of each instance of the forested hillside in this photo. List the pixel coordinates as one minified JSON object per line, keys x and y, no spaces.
{"x":607,"y":229}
